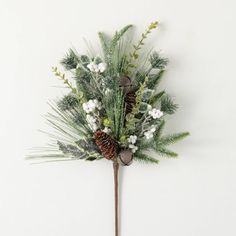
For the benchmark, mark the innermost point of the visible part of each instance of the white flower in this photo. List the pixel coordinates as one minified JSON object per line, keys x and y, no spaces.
{"x":93,"y":126}
{"x":133,"y":148}
{"x":102,"y":67}
{"x":107,"y":130}
{"x":93,"y":67}
{"x":98,"y":104}
{"x":107,"y":91}
{"x":155,"y":113}
{"x":92,"y":122}
{"x":149,"y":134}
{"x":90,"y":119}
{"x":91,"y":105}
{"x":132,"y":139}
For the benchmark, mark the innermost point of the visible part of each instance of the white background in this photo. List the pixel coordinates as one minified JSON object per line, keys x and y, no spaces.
{"x":191,"y":196}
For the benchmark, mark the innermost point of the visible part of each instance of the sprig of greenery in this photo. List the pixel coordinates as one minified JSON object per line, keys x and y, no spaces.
{"x":166,"y":152}
{"x":61,"y":76}
{"x":171,"y":138}
{"x":155,"y":98}
{"x":167,"y":105}
{"x":119,"y":114}
{"x":158,"y":62}
{"x":133,"y":56}
{"x":74,"y":138}
{"x":144,"y":158}
{"x":154,"y":79}
{"x":71,"y":60}
{"x":68,"y":102}
{"x":109,"y":47}
{"x":131,"y":120}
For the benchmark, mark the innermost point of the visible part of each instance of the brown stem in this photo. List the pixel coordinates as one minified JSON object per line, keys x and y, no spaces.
{"x":116,"y":170}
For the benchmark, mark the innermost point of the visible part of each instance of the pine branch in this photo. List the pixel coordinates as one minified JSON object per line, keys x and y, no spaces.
{"x":159,"y":130}
{"x":109,"y":47}
{"x":154,"y":99}
{"x":154,"y":80}
{"x":86,"y":85}
{"x":151,"y":145}
{"x":144,"y":158}
{"x":167,"y":105}
{"x":172,"y":138}
{"x":116,"y":38}
{"x":64,"y":122}
{"x":158,"y":62}
{"x":119,"y":114}
{"x":105,"y":46}
{"x":165,"y":152}
{"x":68,"y":102}
{"x":70,"y":60}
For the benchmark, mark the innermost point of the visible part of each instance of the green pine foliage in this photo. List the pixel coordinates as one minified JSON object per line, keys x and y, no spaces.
{"x":171,"y":138}
{"x":168,"y":105}
{"x":158,"y":62}
{"x":109,"y":47}
{"x":156,"y":98}
{"x":97,"y":100}
{"x":155,"y":79}
{"x":70,"y":60}
{"x":162,"y":151}
{"x":144,"y":158}
{"x":68,"y":102}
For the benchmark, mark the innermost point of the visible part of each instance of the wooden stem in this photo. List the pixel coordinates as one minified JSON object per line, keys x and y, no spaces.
{"x":116,"y":171}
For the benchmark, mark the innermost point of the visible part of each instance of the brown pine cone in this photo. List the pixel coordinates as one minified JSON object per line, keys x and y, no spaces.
{"x":106,"y":144}
{"x":130,"y":99}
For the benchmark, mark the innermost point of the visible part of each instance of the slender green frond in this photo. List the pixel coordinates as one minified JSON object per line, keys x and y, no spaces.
{"x":118,"y":35}
{"x":105,"y":45}
{"x":165,"y":152}
{"x":144,"y":158}
{"x":172,"y":138}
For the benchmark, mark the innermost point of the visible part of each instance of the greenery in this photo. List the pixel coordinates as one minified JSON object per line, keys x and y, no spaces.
{"x":97,"y":100}
{"x":133,"y":56}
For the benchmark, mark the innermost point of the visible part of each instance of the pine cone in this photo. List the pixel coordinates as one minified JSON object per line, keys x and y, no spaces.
{"x":130,"y":99}
{"x":106,"y":144}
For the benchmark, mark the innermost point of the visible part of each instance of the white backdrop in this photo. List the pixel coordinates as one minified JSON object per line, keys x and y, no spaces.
{"x":191,"y":196}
